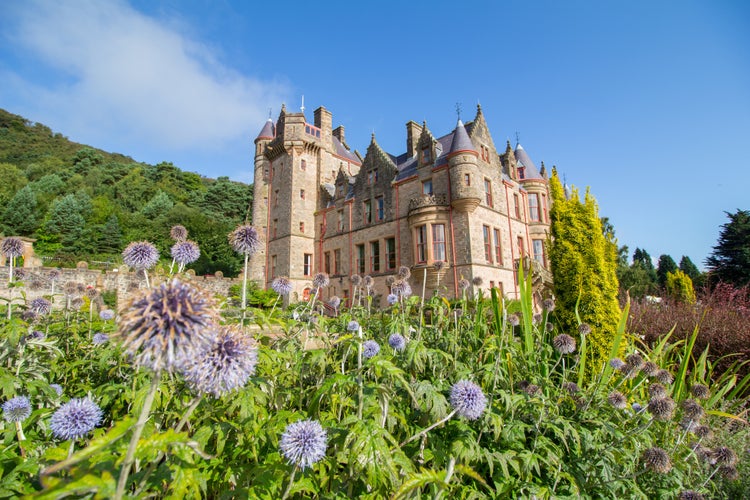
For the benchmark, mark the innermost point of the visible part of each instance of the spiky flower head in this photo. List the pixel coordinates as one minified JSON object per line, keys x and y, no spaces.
{"x":616,"y":363}
{"x":36,"y":335}
{"x":637,"y":408}
{"x":356,"y":279}
{"x":690,"y":495}
{"x":634,"y":361}
{"x":397,"y":342}
{"x":106,"y":314}
{"x":20,"y":273}
{"x":725,"y":455}
{"x":140,"y":255}
{"x":178,"y":233}
{"x":617,"y":400}
{"x":54,"y":275}
{"x":41,"y":306}
{"x":649,"y":368}
{"x":657,"y":460}
{"x":391,"y":299}
{"x":729,"y":472}
{"x":185,"y":252}
{"x":29,"y":316}
{"x":389,"y":280}
{"x":282,"y":285}
{"x":321,"y":280}
{"x":536,"y":319}
{"x":36,"y":284}
{"x":304,"y":443}
{"x":700,"y":391}
{"x":584,"y":329}
{"x":12,"y":247}
{"x":100,"y":338}
{"x":370,"y":348}
{"x":532,"y":390}
{"x":402,"y":288}
{"x":57,"y":388}
{"x":353,"y":326}
{"x":564,"y":344}
{"x":477,"y":281}
{"x":17,"y":409}
{"x":571,"y":387}
{"x":691,"y":409}
{"x":244,"y":239}
{"x":226,"y":366}
{"x":92,"y":293}
{"x":468,"y":399}
{"x":76,"y":303}
{"x":334,"y":302}
{"x":514,"y":320}
{"x":75,"y":419}
{"x":464,"y":284}
{"x":656,"y":390}
{"x":664,"y":377}
{"x":549,"y":327}
{"x":548,"y":305}
{"x":439,"y":265}
{"x":167,"y":325}
{"x":661,"y":408}
{"x":404,"y":273}
{"x":368,"y":281}
{"x":703,"y":432}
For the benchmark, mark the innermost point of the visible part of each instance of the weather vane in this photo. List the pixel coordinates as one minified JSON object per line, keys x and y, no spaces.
{"x":458,"y":110}
{"x":518,"y":140}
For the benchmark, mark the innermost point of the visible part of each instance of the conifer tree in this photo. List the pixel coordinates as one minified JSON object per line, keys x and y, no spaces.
{"x":688,"y":267}
{"x":665,"y":266}
{"x":584,"y":266}
{"x":730,"y":260}
{"x":19,"y":217}
{"x":680,"y":287}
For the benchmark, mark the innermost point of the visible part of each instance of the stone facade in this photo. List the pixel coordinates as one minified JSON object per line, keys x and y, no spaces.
{"x":322,"y":208}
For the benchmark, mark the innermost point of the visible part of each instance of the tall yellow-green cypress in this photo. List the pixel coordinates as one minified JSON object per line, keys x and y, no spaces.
{"x":583,"y":267}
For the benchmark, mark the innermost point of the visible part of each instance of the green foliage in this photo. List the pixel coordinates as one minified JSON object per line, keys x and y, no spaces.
{"x":730,"y":260}
{"x":665,"y":266}
{"x":19,"y":217}
{"x":680,"y":287}
{"x":583,"y":266}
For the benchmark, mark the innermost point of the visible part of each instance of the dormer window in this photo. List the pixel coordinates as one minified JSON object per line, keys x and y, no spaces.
{"x":521,"y":172}
{"x":426,"y":155}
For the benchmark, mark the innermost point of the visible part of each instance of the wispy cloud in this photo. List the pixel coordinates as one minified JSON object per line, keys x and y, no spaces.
{"x":117,"y":71}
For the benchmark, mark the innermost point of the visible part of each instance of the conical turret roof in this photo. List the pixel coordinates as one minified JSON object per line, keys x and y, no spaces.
{"x":461,"y":140}
{"x":267,"y":132}
{"x":522,"y":158}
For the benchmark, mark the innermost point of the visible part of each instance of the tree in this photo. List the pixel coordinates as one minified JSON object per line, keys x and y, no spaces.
{"x":583,"y":267}
{"x":730,"y":260}
{"x":110,"y":237}
{"x":65,"y":222}
{"x":19,"y":216}
{"x":159,"y":205}
{"x":680,"y":287}
{"x":687,"y":267}
{"x":665,"y":266}
{"x":642,"y":257}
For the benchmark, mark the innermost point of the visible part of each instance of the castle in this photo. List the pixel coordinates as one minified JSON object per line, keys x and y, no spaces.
{"x":319,"y":207}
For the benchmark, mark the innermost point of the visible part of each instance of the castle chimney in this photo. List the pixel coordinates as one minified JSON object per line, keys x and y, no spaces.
{"x":323,"y":120}
{"x":413,"y":131}
{"x":338,"y":133}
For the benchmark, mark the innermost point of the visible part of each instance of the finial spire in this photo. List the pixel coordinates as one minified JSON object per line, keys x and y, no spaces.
{"x":269,"y":113}
{"x":518,"y":139}
{"x":458,"y":111}
{"x":302,"y":108}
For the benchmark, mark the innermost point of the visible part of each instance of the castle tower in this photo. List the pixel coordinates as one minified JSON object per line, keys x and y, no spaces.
{"x":462,"y":162}
{"x":257,"y":264}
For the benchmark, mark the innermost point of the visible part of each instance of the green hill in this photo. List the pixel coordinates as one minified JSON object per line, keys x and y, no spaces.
{"x":85,"y":203}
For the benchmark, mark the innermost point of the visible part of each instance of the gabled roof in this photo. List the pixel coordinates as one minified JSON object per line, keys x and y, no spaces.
{"x":530,"y":172}
{"x":267,"y":132}
{"x":343,"y":152}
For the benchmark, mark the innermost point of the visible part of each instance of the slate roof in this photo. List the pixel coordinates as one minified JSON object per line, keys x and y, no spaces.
{"x":530,"y":172}
{"x":267,"y":132}
{"x":343,"y":152}
{"x":407,"y":167}
{"x":461,"y":140}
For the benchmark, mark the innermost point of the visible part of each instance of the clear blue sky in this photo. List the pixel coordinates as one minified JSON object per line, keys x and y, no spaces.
{"x":647,"y":102}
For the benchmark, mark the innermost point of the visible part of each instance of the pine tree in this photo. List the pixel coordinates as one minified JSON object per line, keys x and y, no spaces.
{"x":583,"y":266}
{"x":19,"y":216}
{"x":687,"y":267}
{"x":730,"y":260}
{"x":110,"y":237}
{"x":665,"y":266}
{"x":65,"y":222}
{"x":642,"y":257}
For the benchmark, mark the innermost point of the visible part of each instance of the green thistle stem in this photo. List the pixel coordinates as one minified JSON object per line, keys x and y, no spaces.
{"x":289,"y":486}
{"x":137,"y":431}
{"x":244,"y":289}
{"x":360,"y":384}
{"x":21,"y":438}
{"x":72,"y":448}
{"x":425,"y":431}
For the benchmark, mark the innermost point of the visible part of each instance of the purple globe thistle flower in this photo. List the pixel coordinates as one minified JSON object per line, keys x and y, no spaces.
{"x":106,"y":314}
{"x":36,"y":284}
{"x":391,"y":299}
{"x":463,"y":284}
{"x":57,"y":388}
{"x":637,"y":408}
{"x":649,"y":368}
{"x":571,"y":387}
{"x":282,"y":285}
{"x":468,"y":399}
{"x":616,"y":363}
{"x":321,"y":280}
{"x":17,"y":409}
{"x":356,"y":279}
{"x":334,"y":302}
{"x":70,"y":288}
{"x":549,"y":327}
{"x":29,"y":316}
{"x":514,"y":320}
{"x":100,"y":338}
{"x":80,"y":288}
{"x":661,"y":408}
{"x":691,"y":409}
{"x":700,"y":391}
{"x":140,"y":255}
{"x":730,"y":472}
{"x":353,"y":326}
{"x":12,"y":247}
{"x":178,"y":233}
{"x":725,"y":455}
{"x":92,"y":292}
{"x":656,"y":390}
{"x":548,"y":305}
{"x":564,"y":344}
{"x":584,"y":329}
{"x":536,"y":319}
{"x":664,"y":377}
{"x":477,"y":281}
{"x":404,"y":273}
{"x":690,"y":495}
{"x":657,"y":460}
{"x":703,"y":432}
{"x":54,"y":275}
{"x":390,"y":280}
{"x":185,"y":252}
{"x":304,"y":443}
{"x":397,"y":342}
{"x":165,"y":326}
{"x":368,"y":281}
{"x":36,"y":335}
{"x":370,"y":348}
{"x":20,"y":273}
{"x":402,"y":288}
{"x":75,"y":419}
{"x":532,"y":389}
{"x":439,"y":265}
{"x":617,"y":400}
{"x":41,"y":306}
{"x":244,"y":239}
{"x":634,"y":361}
{"x":226,"y":366}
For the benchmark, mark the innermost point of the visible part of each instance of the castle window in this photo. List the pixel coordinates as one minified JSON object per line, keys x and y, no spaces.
{"x":544,"y":208}
{"x":438,"y":242}
{"x":521,"y":247}
{"x":302,"y":194}
{"x":427,"y":187}
{"x":488,"y":192}
{"x":273,"y":266}
{"x":487,"y":244}
{"x":307,"y":264}
{"x":421,"y":239}
{"x":390,"y":253}
{"x":379,"y":208}
{"x":303,"y":165}
{"x":337,"y":261}
{"x":367,"y":211}
{"x":485,"y":153}
{"x":274,"y":227}
{"x":301,"y":227}
{"x":521,"y":172}
{"x":534,"y":206}
{"x":276,"y":199}
{"x":372,"y":176}
{"x":327,"y":262}
{"x":538,"y":250}
{"x":426,"y":155}
{"x":361,"y":259}
{"x":498,"y":248}
{"x":340,"y":220}
{"x":374,"y":256}
{"x":340,"y":190}
{"x":517,"y":206}
{"x":467,"y":179}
